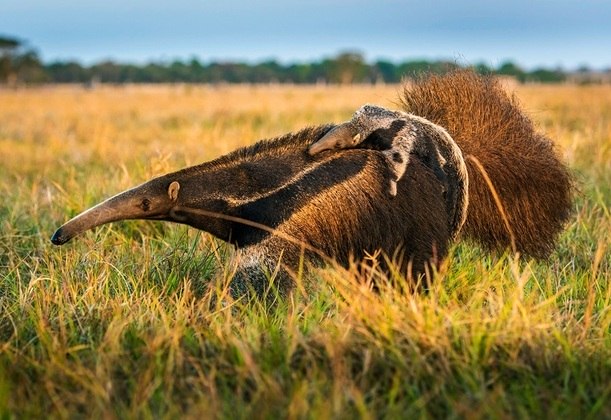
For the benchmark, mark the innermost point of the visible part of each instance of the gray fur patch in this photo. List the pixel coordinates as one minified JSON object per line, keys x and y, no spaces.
{"x":397,"y":135}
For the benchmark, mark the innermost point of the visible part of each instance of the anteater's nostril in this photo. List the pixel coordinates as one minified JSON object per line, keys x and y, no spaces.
{"x":57,"y":238}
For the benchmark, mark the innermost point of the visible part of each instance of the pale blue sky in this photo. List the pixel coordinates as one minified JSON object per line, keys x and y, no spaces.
{"x":551,"y":33}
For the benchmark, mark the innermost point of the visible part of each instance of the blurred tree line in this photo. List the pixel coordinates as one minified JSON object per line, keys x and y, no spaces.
{"x":21,"y":65}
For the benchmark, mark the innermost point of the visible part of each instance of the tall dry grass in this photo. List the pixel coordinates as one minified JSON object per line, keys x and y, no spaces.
{"x":126,"y":321}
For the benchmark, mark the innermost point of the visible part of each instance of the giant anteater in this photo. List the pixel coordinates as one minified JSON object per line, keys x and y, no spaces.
{"x":461,"y":160}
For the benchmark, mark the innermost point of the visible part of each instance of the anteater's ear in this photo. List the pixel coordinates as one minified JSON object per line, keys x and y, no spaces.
{"x":173,"y":190}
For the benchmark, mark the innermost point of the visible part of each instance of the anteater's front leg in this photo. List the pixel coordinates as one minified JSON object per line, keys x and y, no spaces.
{"x":266,"y":269}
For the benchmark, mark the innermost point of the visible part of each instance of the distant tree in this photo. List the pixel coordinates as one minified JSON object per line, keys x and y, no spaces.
{"x":18,"y":63}
{"x":153,"y":73}
{"x":8,"y":44}
{"x":29,"y":68}
{"x":545,"y":76}
{"x":482,"y":68}
{"x":67,"y":72}
{"x":106,"y":72}
{"x":300,"y":73}
{"x":508,"y":68}
{"x":179,"y":72}
{"x":197,"y":70}
{"x":266,"y":72}
{"x":129,"y":73}
{"x":413,"y":68}
{"x":347,"y":67}
{"x":8,"y":52}
{"x":387,"y":71}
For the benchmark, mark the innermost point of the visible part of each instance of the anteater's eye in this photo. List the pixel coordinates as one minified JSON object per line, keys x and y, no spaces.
{"x":146,"y":204}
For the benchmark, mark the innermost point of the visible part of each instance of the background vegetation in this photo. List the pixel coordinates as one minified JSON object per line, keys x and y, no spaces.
{"x":20,"y":64}
{"x":121,"y":321}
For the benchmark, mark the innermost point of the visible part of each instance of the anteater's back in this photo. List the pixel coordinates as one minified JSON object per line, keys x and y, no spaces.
{"x":532,"y":183}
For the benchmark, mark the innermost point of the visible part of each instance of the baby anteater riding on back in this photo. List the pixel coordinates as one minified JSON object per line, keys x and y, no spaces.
{"x":461,"y":160}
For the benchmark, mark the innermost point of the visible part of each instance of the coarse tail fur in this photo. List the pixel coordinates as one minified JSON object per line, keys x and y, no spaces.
{"x":520,"y":191}
{"x":464,"y":160}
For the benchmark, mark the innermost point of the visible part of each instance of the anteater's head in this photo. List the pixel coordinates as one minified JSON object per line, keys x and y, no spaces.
{"x":154,"y":200}
{"x":265,"y":184}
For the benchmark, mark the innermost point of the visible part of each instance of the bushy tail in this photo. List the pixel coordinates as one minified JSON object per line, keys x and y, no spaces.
{"x":530,"y":196}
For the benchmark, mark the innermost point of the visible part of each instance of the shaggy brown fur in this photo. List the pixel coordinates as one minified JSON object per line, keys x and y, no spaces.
{"x":534,"y":186}
{"x":274,"y":200}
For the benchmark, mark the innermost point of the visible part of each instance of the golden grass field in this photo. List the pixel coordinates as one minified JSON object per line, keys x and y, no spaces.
{"x":119,"y":322}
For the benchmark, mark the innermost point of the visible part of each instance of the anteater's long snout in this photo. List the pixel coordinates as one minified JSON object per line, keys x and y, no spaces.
{"x":101,"y":214}
{"x":120,"y":207}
